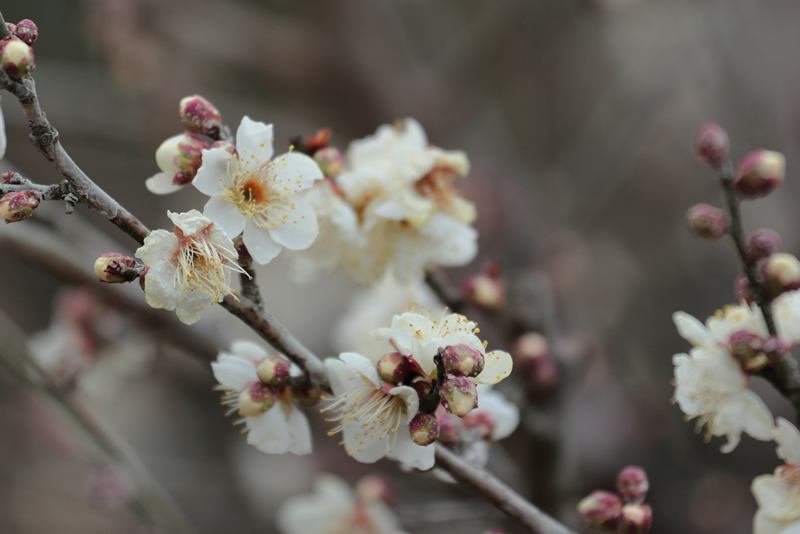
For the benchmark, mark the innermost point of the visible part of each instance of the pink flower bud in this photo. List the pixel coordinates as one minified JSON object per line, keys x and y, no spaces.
{"x":741,"y":288}
{"x":480,"y":423}
{"x":423,"y":389}
{"x":394,"y":367}
{"x":330,"y":160}
{"x":632,"y":484}
{"x":775,"y":348}
{"x":376,"y":488}
{"x":748,"y":348}
{"x":27,"y":31}
{"x":318,"y":141}
{"x":424,"y":429}
{"x":12,"y":177}
{"x":273,"y":370}
{"x":18,"y":205}
{"x":309,"y":396}
{"x":484,"y":291}
{"x":707,"y":222}
{"x":16,"y":58}
{"x":115,"y":268}
{"x":781,"y":272}
{"x":448,"y":430}
{"x":461,"y":360}
{"x":256,"y":399}
{"x":635,"y":519}
{"x":531,"y":352}
{"x":711,"y":143}
{"x":226,"y":146}
{"x":199,"y":116}
{"x":762,"y":243}
{"x":759,"y":172}
{"x":12,"y":28}
{"x":459,"y":395}
{"x":601,"y":511}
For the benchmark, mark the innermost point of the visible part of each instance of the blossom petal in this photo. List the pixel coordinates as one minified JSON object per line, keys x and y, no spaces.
{"x":269,"y":432}
{"x":786,"y":311}
{"x":763,"y":524}
{"x":159,"y":246}
{"x":226,"y":214}
{"x":167,"y":152}
{"x":233,"y":372}
{"x":410,"y":397}
{"x":190,"y":222}
{"x":498,"y":366}
{"x":3,"y":140}
{"x":254,"y":138}
{"x":248,"y":350}
{"x":340,"y":375}
{"x":259,"y":244}
{"x":300,"y":432}
{"x":692,"y":330}
{"x":295,"y":171}
{"x":788,"y":439}
{"x":408,"y":452}
{"x":458,"y":241}
{"x":504,"y":412}
{"x":362,"y":365}
{"x":161,"y":184}
{"x":298,"y":228}
{"x":212,"y":176}
{"x":191,"y":307}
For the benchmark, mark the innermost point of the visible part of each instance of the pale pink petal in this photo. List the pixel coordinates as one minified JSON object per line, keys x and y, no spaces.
{"x":226,"y":214}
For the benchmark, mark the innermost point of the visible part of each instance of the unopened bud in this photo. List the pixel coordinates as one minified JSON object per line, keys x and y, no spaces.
{"x":199,"y":116}
{"x":632,"y":484}
{"x":741,"y":288}
{"x":762,"y":243}
{"x":13,"y":178}
{"x":318,"y":141}
{"x":748,"y":348}
{"x":115,"y":268}
{"x":423,"y":389}
{"x":330,"y":161}
{"x":480,"y":423}
{"x":376,"y":488}
{"x":424,"y":429}
{"x":309,"y":396}
{"x":16,"y":58}
{"x":601,"y":511}
{"x":707,"y":221}
{"x":448,"y":430}
{"x":528,"y":347}
{"x":12,"y":28}
{"x":256,"y":399}
{"x":182,"y":152}
{"x":484,"y":291}
{"x":711,"y":143}
{"x":273,"y":370}
{"x":459,"y":395}
{"x":394,"y":367}
{"x":18,"y":205}
{"x":635,"y":519}
{"x":781,"y":272}
{"x":775,"y":348}
{"x":759,"y":172}
{"x":531,"y":351}
{"x":225,"y":146}
{"x":27,"y":31}
{"x":461,"y":360}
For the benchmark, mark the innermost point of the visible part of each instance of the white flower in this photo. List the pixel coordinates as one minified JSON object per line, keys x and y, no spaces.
{"x":778,"y":495}
{"x":420,"y":338}
{"x":281,"y":428}
{"x":494,"y":419}
{"x":373,"y":416}
{"x":254,"y":194}
{"x":178,"y":159}
{"x":709,"y":381}
{"x":189,"y":268}
{"x":333,"y":508}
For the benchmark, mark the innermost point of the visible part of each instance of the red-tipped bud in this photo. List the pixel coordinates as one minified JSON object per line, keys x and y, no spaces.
{"x":424,"y":429}
{"x":273,"y":370}
{"x":459,"y":395}
{"x":12,"y":177}
{"x":480,"y":424}
{"x":319,"y":140}
{"x":394,"y":367}
{"x":741,"y":288}
{"x":199,"y":116}
{"x":330,"y":161}
{"x":16,"y":58}
{"x":775,"y":348}
{"x":759,"y":172}
{"x":12,"y":28}
{"x":27,"y":31}
{"x":423,"y":389}
{"x":632,"y":484}
{"x":762,"y":243}
{"x":448,"y":430}
{"x":484,"y":291}
{"x":707,"y":222}
{"x":748,"y":348}
{"x":256,"y":399}
{"x":531,"y":352}
{"x":376,"y":488}
{"x":115,"y":268}
{"x":183,"y":152}
{"x":226,"y":146}
{"x":601,"y":511}
{"x":18,"y":205}
{"x":711,"y":143}
{"x":635,"y":519}
{"x":309,"y":396}
{"x":781,"y":272}
{"x":461,"y":360}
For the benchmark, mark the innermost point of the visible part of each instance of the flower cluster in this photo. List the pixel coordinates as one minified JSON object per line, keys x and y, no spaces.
{"x":390,"y":206}
{"x":624,"y":513}
{"x":258,"y":389}
{"x":778,"y":494}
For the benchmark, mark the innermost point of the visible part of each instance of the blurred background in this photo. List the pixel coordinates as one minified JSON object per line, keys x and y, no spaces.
{"x":578,"y":118}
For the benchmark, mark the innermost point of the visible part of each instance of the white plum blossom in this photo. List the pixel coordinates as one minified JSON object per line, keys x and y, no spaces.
{"x":257,"y":196}
{"x":419,"y":337}
{"x":282,"y":427}
{"x":178,"y":159}
{"x":189,"y":268}
{"x":710,"y":383}
{"x":778,"y":495}
{"x":334,"y":508}
{"x":3,"y":140}
{"x":373,"y":416}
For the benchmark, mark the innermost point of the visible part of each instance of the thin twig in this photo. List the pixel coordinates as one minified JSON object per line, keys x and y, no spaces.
{"x":444,"y":291}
